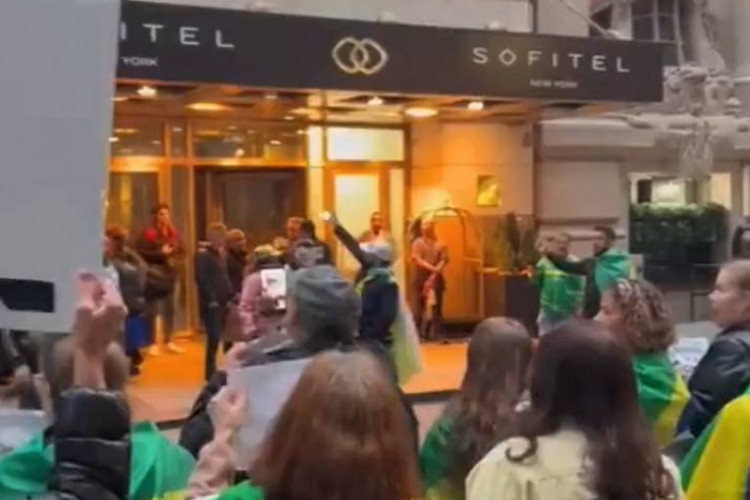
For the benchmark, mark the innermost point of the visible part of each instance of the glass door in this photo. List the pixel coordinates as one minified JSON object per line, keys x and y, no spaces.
{"x":257,"y":201}
{"x":355,"y":193}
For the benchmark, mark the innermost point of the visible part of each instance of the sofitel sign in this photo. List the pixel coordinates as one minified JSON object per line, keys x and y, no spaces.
{"x":192,"y":44}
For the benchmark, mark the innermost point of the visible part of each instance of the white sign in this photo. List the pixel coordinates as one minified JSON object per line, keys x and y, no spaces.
{"x":267,"y":388}
{"x":55,"y":119}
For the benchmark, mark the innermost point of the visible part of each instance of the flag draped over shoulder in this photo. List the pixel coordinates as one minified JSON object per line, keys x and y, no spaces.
{"x":718,"y":465}
{"x":159,"y":470}
{"x":436,"y":462}
{"x":611,"y":266}
{"x":662,"y":394}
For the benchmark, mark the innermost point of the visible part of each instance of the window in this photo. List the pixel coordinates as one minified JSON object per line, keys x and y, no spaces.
{"x":654,"y":20}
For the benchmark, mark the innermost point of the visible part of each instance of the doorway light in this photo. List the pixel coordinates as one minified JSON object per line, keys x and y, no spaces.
{"x":270,"y":96}
{"x":119,"y":98}
{"x":147,"y":92}
{"x":126,"y":131}
{"x":418,"y":112}
{"x":475,"y":106}
{"x":375,"y":101}
{"x":207,"y":106}
{"x":274,"y":142}
{"x":239,"y":152}
{"x":114,"y":139}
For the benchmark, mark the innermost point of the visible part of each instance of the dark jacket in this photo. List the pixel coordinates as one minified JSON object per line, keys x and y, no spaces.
{"x":131,"y":271}
{"x":211,"y":277}
{"x":92,"y":446}
{"x":721,"y":375}
{"x":380,"y":299}
{"x":236,"y":266}
{"x":380,"y":303}
{"x":198,"y":430}
{"x":585,"y":267}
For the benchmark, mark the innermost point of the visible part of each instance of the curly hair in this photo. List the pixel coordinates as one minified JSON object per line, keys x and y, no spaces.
{"x":646,"y":316}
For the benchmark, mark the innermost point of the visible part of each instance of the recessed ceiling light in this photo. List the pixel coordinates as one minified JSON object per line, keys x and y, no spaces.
{"x":270,"y":96}
{"x":274,"y":142}
{"x":289,"y":118}
{"x":301,"y":132}
{"x":417,"y":112}
{"x":119,"y":98}
{"x":156,"y":142}
{"x":177,"y":129}
{"x":147,"y":92}
{"x":239,"y":152}
{"x":475,"y":106}
{"x":375,"y":101}
{"x":207,"y":106}
{"x":114,"y":139}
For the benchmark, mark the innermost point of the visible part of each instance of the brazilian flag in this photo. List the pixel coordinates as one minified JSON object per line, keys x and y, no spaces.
{"x":662,"y":394}
{"x":436,"y":462}
{"x":159,"y":470}
{"x":610,"y":267}
{"x":718,"y":464}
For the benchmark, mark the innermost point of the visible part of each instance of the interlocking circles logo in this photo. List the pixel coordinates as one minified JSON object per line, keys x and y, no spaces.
{"x":359,"y":56}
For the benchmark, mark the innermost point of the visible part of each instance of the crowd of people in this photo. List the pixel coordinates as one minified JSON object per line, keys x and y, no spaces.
{"x":240,"y":295}
{"x":592,"y":408}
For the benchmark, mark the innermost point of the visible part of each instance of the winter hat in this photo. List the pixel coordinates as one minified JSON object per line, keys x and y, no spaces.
{"x":326,"y":306}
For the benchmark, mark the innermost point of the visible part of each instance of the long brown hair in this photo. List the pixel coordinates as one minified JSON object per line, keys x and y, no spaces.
{"x":342,"y":435}
{"x":484,"y":411}
{"x":582,"y":377}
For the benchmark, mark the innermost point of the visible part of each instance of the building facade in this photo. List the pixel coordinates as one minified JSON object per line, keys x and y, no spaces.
{"x":250,"y":112}
{"x":698,"y":132}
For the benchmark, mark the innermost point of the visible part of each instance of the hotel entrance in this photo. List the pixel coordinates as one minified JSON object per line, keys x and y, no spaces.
{"x":403,"y":120}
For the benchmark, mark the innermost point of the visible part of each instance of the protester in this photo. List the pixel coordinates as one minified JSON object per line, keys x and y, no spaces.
{"x":724,"y":371}
{"x":583,"y":437}
{"x":385,"y":323}
{"x":340,"y":435}
{"x":293,"y":228}
{"x":237,"y":259}
{"x":602,"y":270}
{"x":19,"y":362}
{"x":636,"y":312}
{"x":323,"y":314}
{"x":91,"y":451}
{"x":307,"y":250}
{"x":160,"y":246}
{"x":378,"y":233}
{"x":214,"y":290}
{"x":131,"y":272}
{"x":430,"y":256}
{"x":483,"y":413}
{"x":261,"y":315}
{"x":560,"y":293}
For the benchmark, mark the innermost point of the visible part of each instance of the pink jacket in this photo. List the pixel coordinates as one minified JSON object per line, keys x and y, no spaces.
{"x":256,"y":323}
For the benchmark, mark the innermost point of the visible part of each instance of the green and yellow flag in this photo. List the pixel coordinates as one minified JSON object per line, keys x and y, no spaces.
{"x":159,"y":470}
{"x":662,"y":394}
{"x":718,"y":464}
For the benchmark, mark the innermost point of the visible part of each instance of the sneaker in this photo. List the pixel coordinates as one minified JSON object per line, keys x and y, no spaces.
{"x":154,"y":350}
{"x":175,"y":349}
